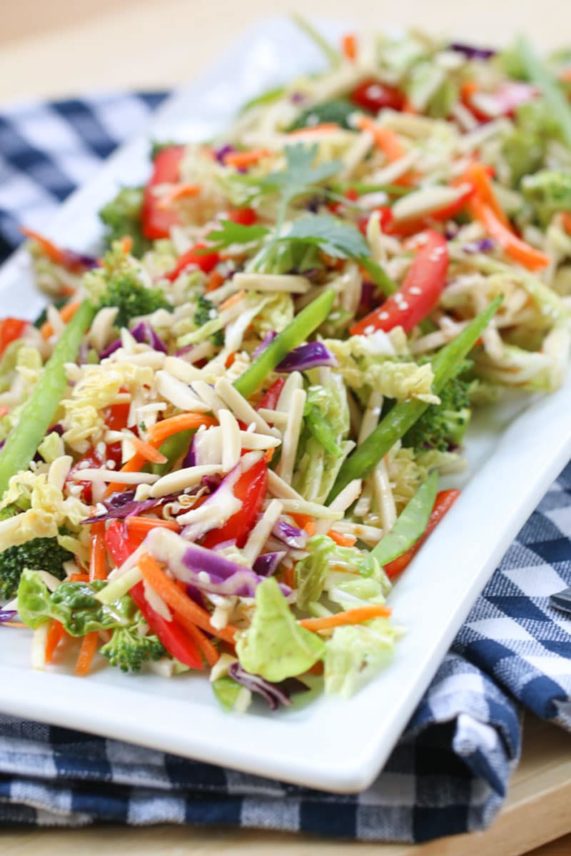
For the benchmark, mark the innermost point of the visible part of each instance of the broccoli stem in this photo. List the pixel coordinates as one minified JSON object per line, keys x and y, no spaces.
{"x":296,"y":332}
{"x":445,"y":365}
{"x":39,"y":411}
{"x":329,"y":52}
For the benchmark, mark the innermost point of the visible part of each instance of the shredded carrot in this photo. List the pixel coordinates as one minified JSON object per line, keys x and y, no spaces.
{"x":4,"y":411}
{"x":19,"y":624}
{"x":66,"y":313}
{"x":352,"y":616}
{"x":179,"y":191}
{"x":342,"y":540}
{"x":234,"y":298}
{"x":55,"y":634}
{"x":385,"y":139}
{"x":566,"y":218}
{"x":78,"y":578}
{"x":323,"y":127}
{"x":86,"y":654}
{"x":207,"y":649}
{"x":98,"y":559}
{"x":301,"y":519}
{"x":148,"y":451}
{"x":241,"y":160}
{"x":513,"y":246}
{"x":183,"y":422}
{"x":565,"y":75}
{"x":214,"y":281}
{"x":478,"y":176}
{"x":349,"y":46}
{"x":145,"y":524}
{"x":126,"y":244}
{"x":408,"y":107}
{"x":289,"y":577}
{"x":468,"y":89}
{"x":133,"y":465}
{"x":52,"y":251}
{"x":187,"y":611}
{"x":230,"y":359}
{"x":316,"y":669}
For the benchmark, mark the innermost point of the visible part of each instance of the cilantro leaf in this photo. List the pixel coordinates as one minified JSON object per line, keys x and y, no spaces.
{"x":299,"y":174}
{"x":236,"y":233}
{"x":333,"y":236}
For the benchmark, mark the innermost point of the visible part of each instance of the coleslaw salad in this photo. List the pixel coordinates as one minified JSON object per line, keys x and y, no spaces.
{"x":239,"y":416}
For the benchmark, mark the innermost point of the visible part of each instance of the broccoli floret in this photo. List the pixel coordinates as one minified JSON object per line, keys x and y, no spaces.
{"x":549,"y":191}
{"x":39,"y":554}
{"x":131,"y":297}
{"x":122,"y":216}
{"x":128,"y":650}
{"x":443,"y":425}
{"x":205,"y":312}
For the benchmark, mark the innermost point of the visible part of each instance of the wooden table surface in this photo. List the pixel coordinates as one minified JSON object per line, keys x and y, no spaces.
{"x":63,"y":47}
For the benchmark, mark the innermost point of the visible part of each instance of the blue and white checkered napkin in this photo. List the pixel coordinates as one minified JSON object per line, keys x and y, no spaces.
{"x":450,"y":770}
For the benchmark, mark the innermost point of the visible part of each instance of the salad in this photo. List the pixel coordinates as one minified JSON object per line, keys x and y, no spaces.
{"x":223,"y":440}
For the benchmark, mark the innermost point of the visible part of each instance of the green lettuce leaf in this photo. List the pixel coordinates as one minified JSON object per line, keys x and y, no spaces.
{"x":366,"y":366}
{"x":325,"y":556}
{"x":72,"y":604}
{"x":353,"y":654}
{"x":275,"y":646}
{"x":323,"y":446}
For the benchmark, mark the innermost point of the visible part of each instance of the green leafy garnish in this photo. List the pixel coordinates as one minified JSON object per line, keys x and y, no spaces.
{"x":229,"y":233}
{"x":332,"y":236}
{"x":337,"y":111}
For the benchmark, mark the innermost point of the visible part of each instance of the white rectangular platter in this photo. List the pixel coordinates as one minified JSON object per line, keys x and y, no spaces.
{"x":515,"y":451}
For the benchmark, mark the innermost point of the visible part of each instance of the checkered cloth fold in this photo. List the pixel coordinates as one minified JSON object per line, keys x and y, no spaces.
{"x":448,"y":773}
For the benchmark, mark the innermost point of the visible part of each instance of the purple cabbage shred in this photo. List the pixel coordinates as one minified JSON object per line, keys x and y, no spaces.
{"x":145,"y":335}
{"x":267,"y":563}
{"x":268,"y":338}
{"x":273,"y":694}
{"x":472,"y":51}
{"x":308,"y":356}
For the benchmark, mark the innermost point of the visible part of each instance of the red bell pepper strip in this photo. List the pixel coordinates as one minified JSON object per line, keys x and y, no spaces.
{"x":176,"y":640}
{"x":386,"y":220}
{"x":206,"y":261}
{"x":418,"y":295}
{"x":372,"y":95}
{"x":156,"y":219}
{"x":120,"y":543}
{"x":271,"y":396}
{"x":445,"y":499}
{"x":243,"y":216}
{"x":92,"y":458}
{"x":11,"y":329}
{"x":116,"y":416}
{"x":251,"y":490}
